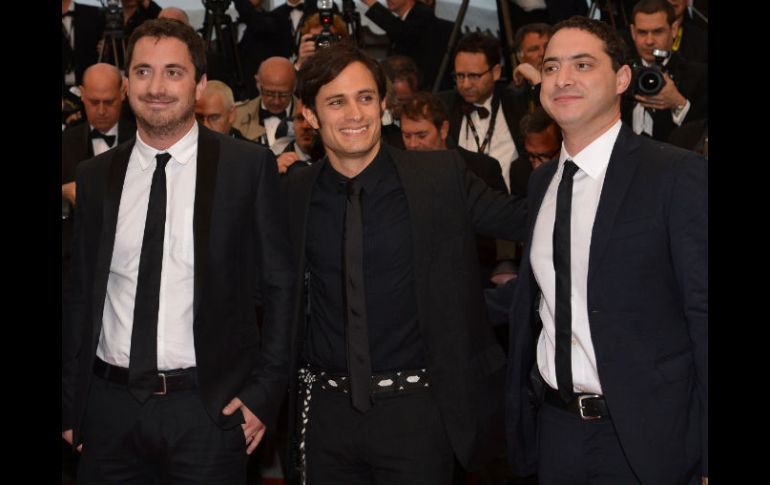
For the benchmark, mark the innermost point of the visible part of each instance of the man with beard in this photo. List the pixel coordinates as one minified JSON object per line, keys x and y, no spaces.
{"x":165,"y":377}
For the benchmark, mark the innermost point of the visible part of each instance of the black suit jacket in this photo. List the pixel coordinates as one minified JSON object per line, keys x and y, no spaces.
{"x":240,"y":235}
{"x":76,"y":146}
{"x":513,"y":106}
{"x":89,"y":26}
{"x":447,"y":206}
{"x":647,"y":309}
{"x":422,"y":36}
{"x":691,"y":79}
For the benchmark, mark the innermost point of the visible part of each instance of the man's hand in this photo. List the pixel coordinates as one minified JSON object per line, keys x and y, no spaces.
{"x":306,"y":49}
{"x":67,"y":436}
{"x":668,"y":98}
{"x":285,"y":160}
{"x":704,"y":480}
{"x":368,"y":3}
{"x":526,"y":71}
{"x":253,"y":429}
{"x":68,"y":192}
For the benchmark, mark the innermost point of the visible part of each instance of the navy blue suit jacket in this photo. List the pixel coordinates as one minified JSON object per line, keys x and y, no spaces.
{"x":647,"y":309}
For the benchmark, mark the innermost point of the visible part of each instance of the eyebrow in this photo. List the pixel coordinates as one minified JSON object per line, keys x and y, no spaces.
{"x":342,"y":95}
{"x":166,"y":66}
{"x":582,"y":55}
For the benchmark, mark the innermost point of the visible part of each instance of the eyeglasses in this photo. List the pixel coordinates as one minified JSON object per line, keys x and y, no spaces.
{"x":275,"y":94}
{"x":210,"y":118}
{"x":544,"y":157}
{"x":471,"y":76}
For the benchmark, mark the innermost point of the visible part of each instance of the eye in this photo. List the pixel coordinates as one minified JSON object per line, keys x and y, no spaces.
{"x":142,"y":71}
{"x":550,"y":68}
{"x":174,"y":73}
{"x":366,"y":98}
{"x":583,"y":66}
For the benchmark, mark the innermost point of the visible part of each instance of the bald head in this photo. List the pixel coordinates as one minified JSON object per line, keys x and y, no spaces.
{"x":215,"y":108}
{"x":276,"y":80}
{"x":174,"y":13}
{"x":102,"y":93}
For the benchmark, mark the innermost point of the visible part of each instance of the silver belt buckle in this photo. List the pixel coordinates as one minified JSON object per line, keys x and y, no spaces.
{"x":163,"y":380}
{"x":582,"y":409}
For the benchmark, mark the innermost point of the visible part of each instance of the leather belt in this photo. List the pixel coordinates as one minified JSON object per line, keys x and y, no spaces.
{"x":389,"y":382}
{"x":588,"y":406}
{"x":167,"y":380}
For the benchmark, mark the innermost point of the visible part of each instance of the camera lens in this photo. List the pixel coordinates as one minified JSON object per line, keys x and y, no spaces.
{"x":649,"y":81}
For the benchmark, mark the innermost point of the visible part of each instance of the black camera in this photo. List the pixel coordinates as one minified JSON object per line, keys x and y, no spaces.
{"x":113,"y":16}
{"x":648,"y":81}
{"x":326,"y":16}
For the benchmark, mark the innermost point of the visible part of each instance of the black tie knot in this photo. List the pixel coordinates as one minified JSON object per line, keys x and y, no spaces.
{"x":299,"y":6}
{"x":68,"y":13}
{"x":354,"y":187}
{"x":469,"y":108}
{"x":570,"y":169}
{"x":162,"y":159}
{"x":265,"y":114}
{"x":108,"y":139}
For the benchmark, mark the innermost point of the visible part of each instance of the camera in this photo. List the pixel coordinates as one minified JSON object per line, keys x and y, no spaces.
{"x":648,"y":81}
{"x":326,"y":15}
{"x":113,"y":16}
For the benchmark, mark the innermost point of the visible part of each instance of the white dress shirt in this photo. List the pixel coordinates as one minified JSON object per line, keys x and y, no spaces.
{"x":592,"y":163}
{"x":176,"y":349}
{"x":500,"y":147}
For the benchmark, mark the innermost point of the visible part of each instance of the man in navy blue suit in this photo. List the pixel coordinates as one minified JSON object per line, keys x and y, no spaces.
{"x":608,"y":357}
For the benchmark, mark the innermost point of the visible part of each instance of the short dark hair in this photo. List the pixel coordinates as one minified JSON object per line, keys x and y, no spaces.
{"x":613,"y":43}
{"x":478,"y":43}
{"x":425,"y":105}
{"x":326,"y":64}
{"x":165,"y":27}
{"x":536,"y":122}
{"x":654,"y":6}
{"x":539,"y":28}
{"x":402,"y":67}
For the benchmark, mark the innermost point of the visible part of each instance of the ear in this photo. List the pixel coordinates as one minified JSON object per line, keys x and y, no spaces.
{"x":310,"y":117}
{"x":633,"y":31}
{"x":231,"y":115}
{"x":123,"y":87}
{"x":496,"y":71}
{"x":200,"y":87}
{"x":675,"y":26}
{"x":444,"y":130}
{"x":622,"y":79}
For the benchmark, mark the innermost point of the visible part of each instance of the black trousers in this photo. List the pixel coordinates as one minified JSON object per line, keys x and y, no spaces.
{"x":167,"y":440}
{"x":400,"y":440}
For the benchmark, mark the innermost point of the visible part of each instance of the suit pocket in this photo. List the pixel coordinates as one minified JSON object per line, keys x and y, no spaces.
{"x":676,"y":367}
{"x":626,"y":229}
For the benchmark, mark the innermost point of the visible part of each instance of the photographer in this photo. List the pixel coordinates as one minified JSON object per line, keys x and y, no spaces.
{"x":683,"y":92}
{"x":313,"y":36}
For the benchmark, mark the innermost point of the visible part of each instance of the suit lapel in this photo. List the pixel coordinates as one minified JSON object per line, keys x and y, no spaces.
{"x":205,"y":184}
{"x":300,"y":192}
{"x":113,"y":191}
{"x":620,"y":173}
{"x":420,"y":197}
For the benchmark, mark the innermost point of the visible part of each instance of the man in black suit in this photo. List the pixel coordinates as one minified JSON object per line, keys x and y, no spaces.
{"x":690,"y":40}
{"x":483,"y":115}
{"x":82,"y":27}
{"x":166,"y":374}
{"x":414,"y":31}
{"x":396,"y":352}
{"x":608,"y":357}
{"x":684,"y":96}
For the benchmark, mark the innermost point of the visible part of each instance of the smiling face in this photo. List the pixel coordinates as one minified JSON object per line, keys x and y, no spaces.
{"x":347,"y":115}
{"x":580,"y":90}
{"x":161,"y":87}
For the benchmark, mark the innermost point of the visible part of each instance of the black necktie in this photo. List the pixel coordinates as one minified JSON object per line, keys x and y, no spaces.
{"x":265,"y":114}
{"x":469,"y":108}
{"x":68,"y":13}
{"x":359,"y":363}
{"x":299,"y":6}
{"x":561,"y":265}
{"x":108,"y":139}
{"x":143,"y":364}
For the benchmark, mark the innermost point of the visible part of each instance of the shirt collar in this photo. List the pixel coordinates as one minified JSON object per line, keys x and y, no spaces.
{"x":182,"y":151}
{"x":594,"y":158}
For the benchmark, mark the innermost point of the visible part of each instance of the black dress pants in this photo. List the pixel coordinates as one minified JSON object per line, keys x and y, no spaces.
{"x":167,"y":440}
{"x":400,"y":440}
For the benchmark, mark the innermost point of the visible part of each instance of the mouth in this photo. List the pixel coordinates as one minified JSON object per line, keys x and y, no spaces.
{"x":157,"y":103}
{"x":354,"y":131}
{"x":566,"y":98}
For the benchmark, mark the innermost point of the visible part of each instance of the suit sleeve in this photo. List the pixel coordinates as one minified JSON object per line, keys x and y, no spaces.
{"x":688,"y":227}
{"x":269,"y":379}
{"x":493,"y":213}
{"x":401,"y":31}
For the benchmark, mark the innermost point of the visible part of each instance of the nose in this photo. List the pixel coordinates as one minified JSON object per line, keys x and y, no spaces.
{"x":564,"y":76}
{"x":353,"y":111}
